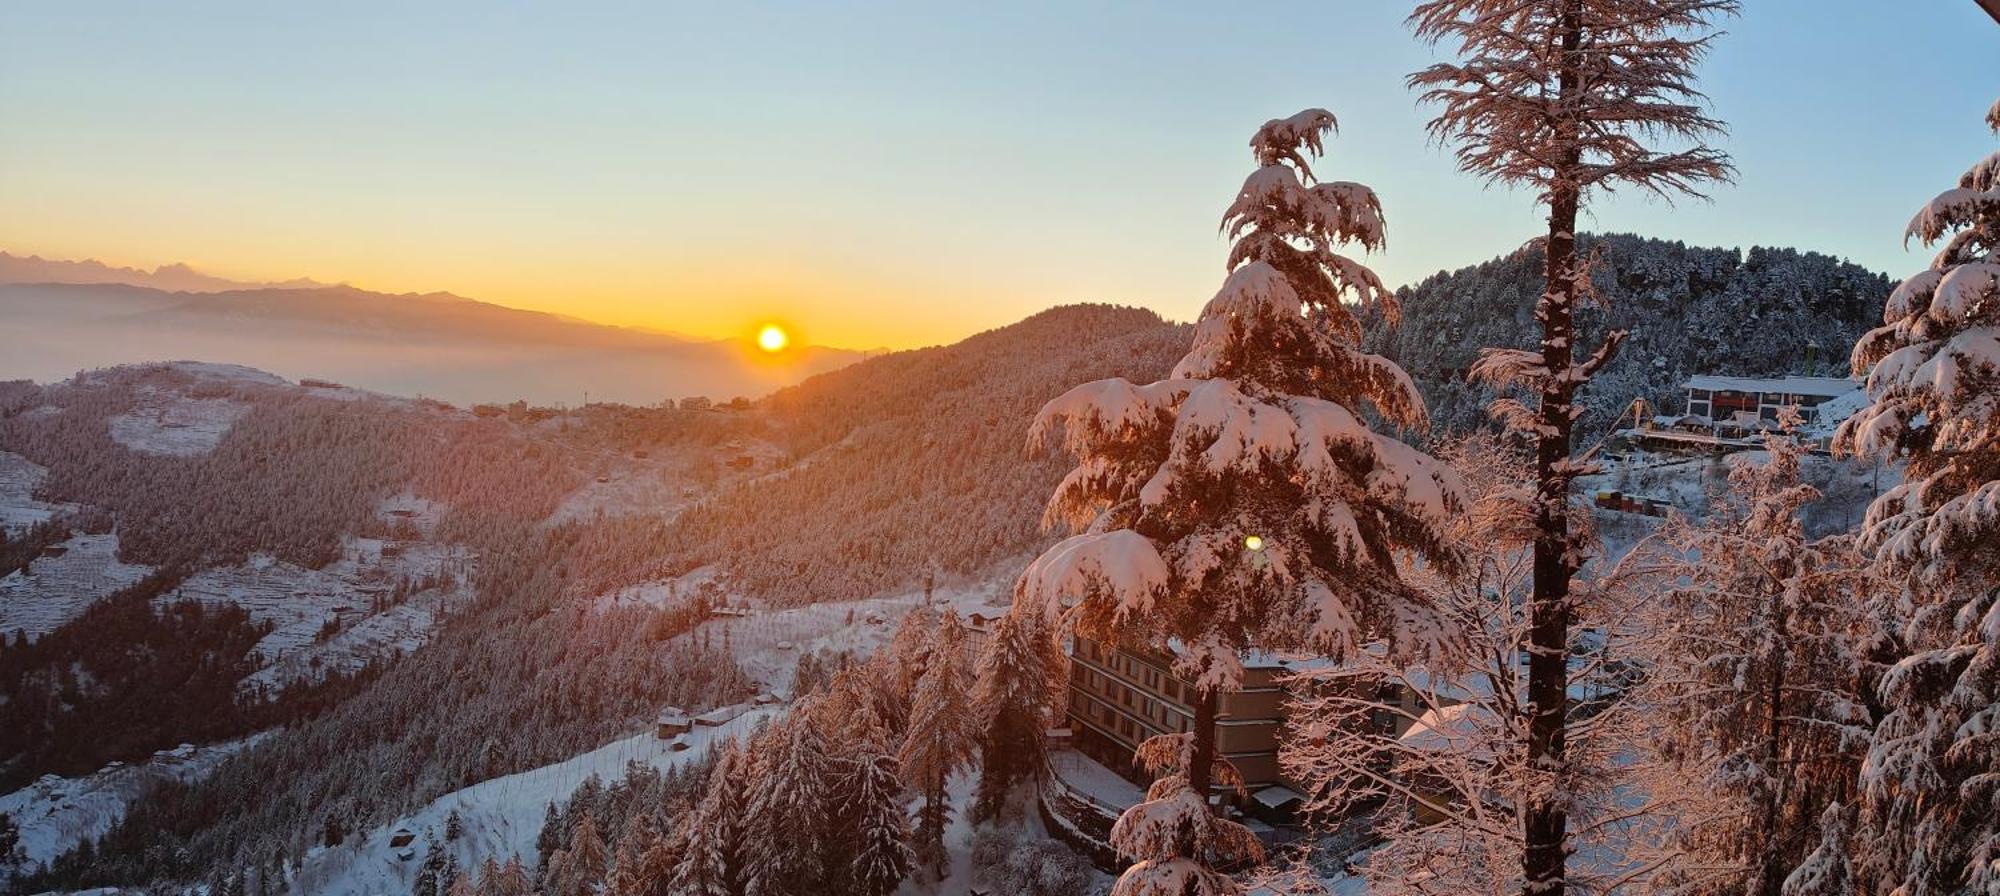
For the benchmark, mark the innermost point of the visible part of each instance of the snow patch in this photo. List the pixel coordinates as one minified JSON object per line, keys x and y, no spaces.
{"x":359,"y":591}
{"x":176,"y":425}
{"x":59,"y":585}
{"x":19,"y":511}
{"x":56,"y":814}
{"x":502,"y":817}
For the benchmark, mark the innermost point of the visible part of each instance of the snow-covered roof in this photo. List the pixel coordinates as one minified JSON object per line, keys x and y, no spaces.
{"x":1834,"y":410}
{"x":720,"y":715}
{"x":1452,"y":729}
{"x":1822,"y":386}
{"x":1276,"y":796}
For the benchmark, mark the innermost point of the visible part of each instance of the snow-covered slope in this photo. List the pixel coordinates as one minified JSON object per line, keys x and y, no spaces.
{"x":502,"y":817}
{"x":61,"y":583}
{"x":344,"y":615}
{"x":176,"y":425}
{"x":55,"y":814}
{"x":18,"y":508}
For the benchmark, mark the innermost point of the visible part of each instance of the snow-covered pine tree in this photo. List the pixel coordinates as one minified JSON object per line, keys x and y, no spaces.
{"x":873,"y":792}
{"x":910,"y":649}
{"x":1758,"y":670}
{"x":1017,"y":672}
{"x":657,"y":864}
{"x":639,"y":866}
{"x":578,"y":870}
{"x":1174,"y":841}
{"x":1244,"y":500}
{"x":512,"y":880}
{"x":553,"y":835}
{"x":716,"y":832}
{"x":1930,"y":820}
{"x":939,"y":742}
{"x":431,"y":879}
{"x":1829,"y":869}
{"x":557,"y":878}
{"x":1565,"y":97}
{"x":791,"y":803}
{"x":488,"y":877}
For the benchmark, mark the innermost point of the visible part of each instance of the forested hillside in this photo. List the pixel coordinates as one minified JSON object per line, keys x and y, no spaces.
{"x":914,"y":461}
{"x":1689,"y":309}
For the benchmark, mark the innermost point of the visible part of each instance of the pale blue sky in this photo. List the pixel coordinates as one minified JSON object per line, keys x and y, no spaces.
{"x":876,"y":173}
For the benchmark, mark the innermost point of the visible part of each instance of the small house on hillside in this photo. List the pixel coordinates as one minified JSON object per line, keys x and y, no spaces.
{"x":716,"y":718}
{"x":1733,"y":413}
{"x":672,"y":722}
{"x":1722,"y":398}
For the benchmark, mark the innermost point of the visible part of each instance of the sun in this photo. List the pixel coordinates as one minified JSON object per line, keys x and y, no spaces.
{"x":773,"y":338}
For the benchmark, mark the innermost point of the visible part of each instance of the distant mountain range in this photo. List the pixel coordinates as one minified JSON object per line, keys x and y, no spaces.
{"x":58,"y":317}
{"x":170,"y":277}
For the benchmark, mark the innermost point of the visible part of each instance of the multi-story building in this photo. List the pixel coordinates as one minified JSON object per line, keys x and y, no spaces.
{"x":1120,"y":697}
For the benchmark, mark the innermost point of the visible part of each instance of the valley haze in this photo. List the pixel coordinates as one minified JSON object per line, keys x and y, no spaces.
{"x":59,"y":317}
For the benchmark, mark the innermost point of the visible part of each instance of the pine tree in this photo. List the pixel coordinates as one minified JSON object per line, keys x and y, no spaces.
{"x":881,"y":855}
{"x":644,"y":864}
{"x":488,"y":879}
{"x":1758,"y":675}
{"x":910,"y":650}
{"x":790,"y":807}
{"x":454,"y":825}
{"x":1563,"y":97}
{"x":1930,"y":809}
{"x":1016,"y":674}
{"x":510,"y":879}
{"x":431,"y":880}
{"x":578,"y":870}
{"x":1244,"y":500}
{"x":939,"y":741}
{"x":717,"y":855}
{"x":552,"y":836}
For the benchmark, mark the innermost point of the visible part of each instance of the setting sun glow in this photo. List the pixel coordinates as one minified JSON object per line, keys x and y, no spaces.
{"x":772,"y":338}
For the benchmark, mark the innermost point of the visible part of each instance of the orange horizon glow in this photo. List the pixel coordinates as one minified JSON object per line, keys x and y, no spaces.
{"x":839,"y":309}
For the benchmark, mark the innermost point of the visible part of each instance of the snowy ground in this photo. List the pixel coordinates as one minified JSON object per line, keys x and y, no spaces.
{"x":660,"y":593}
{"x":1693,"y":483}
{"x":18,"y":508}
{"x":55,"y":814}
{"x":1088,"y":778}
{"x":54,"y":589}
{"x":768,"y":644}
{"x":630,"y":488}
{"x":422,"y":514}
{"x":300,"y":602}
{"x":502,"y":817}
{"x":173,"y":424}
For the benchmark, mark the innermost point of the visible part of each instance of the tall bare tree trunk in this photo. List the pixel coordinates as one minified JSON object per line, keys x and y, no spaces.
{"x":1201,"y":764}
{"x":1545,"y":819}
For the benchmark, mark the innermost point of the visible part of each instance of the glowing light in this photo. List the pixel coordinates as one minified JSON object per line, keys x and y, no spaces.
{"x":1253,"y":542}
{"x":773,"y":338}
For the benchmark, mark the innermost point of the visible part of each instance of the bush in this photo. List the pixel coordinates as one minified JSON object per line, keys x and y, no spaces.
{"x":1015,"y":862}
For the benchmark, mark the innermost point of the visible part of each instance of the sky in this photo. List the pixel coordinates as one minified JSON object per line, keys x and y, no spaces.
{"x":872,"y":174}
